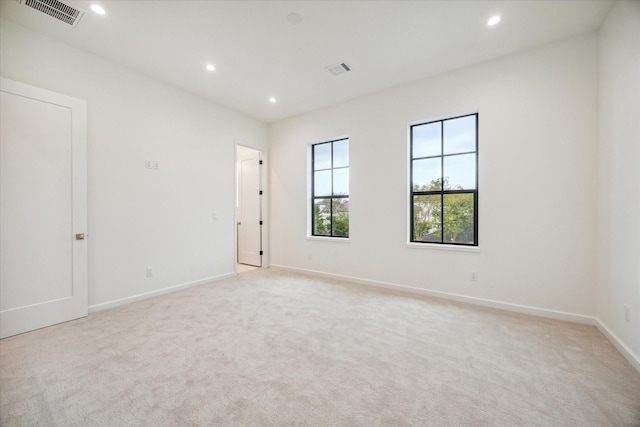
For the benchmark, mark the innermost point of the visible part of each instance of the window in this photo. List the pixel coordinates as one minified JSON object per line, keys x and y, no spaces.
{"x":330,"y":188}
{"x":444,"y":181}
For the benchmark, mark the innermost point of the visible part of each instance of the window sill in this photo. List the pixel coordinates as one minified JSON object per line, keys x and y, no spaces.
{"x":437,"y":247}
{"x":329,"y":239}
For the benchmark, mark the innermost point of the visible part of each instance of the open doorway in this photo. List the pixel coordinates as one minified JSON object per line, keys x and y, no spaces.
{"x":248,"y":209}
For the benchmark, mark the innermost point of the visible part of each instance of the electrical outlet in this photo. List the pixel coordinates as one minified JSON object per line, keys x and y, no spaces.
{"x":156,"y":164}
{"x":148,"y":164}
{"x":473,"y":276}
{"x":627,"y":312}
{"x":149,"y":271}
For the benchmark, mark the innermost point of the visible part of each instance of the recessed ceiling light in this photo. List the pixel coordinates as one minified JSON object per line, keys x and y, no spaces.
{"x":272,"y":100}
{"x":493,"y":20}
{"x":210,"y":67}
{"x":98,"y":9}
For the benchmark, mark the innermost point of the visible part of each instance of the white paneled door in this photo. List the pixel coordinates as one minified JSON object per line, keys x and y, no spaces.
{"x":249,"y":208}
{"x":43,"y":208}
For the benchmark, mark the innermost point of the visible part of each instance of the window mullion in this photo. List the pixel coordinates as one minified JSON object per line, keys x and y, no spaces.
{"x":442,"y":181}
{"x":412,"y":213}
{"x":331,"y":202}
{"x":313,"y":190}
{"x":331,"y":213}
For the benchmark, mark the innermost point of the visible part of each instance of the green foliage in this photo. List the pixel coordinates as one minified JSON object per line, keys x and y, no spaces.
{"x":426,"y":218}
{"x":429,"y":219}
{"x":321,"y":218}
{"x":341,"y":217}
{"x":458,"y":218}
{"x":323,"y":215}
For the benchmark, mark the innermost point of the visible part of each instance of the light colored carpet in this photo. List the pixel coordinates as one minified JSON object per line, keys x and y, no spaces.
{"x":243,"y":268}
{"x":270,"y":348}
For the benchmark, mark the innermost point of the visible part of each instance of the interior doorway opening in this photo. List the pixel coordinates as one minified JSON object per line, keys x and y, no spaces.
{"x":249,"y":205}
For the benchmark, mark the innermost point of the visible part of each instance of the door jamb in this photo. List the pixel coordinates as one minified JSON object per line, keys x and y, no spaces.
{"x":264,"y":204}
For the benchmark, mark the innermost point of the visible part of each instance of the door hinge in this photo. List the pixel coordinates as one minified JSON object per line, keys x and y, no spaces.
{"x":260,"y":192}
{"x":261,"y":222}
{"x":260,"y":162}
{"x":261,"y":253}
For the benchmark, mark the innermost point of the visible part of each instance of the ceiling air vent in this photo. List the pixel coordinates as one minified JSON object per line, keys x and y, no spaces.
{"x":61,"y":11}
{"x":338,"y":68}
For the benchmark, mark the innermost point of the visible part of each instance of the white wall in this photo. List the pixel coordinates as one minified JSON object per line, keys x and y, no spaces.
{"x":619,"y":175}
{"x":137,"y":217}
{"x":537,"y":148}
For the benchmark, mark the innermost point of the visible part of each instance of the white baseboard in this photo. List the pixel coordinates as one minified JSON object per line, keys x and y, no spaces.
{"x":633,"y":358}
{"x":128,"y":300}
{"x":535,"y":311}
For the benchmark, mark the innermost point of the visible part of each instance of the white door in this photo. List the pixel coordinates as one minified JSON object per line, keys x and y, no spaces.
{"x":43,"y":268}
{"x":249,"y":208}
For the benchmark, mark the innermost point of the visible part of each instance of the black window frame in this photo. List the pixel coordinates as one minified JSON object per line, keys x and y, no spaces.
{"x":332,"y":196}
{"x":442,"y":192}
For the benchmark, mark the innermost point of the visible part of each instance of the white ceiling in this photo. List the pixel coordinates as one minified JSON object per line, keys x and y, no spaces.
{"x":258,"y":53}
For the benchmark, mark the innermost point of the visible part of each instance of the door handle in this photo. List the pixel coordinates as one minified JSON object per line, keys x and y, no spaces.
{"x":79,"y":236}
{"x":239,"y":223}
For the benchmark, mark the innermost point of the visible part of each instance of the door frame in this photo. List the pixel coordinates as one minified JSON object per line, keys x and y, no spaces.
{"x":264,"y":205}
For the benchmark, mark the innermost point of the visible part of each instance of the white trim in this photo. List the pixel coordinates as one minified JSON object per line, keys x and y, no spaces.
{"x":633,"y":358}
{"x":329,"y":239}
{"x":116,"y":303}
{"x":516,"y":308}
{"x":440,"y":247}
